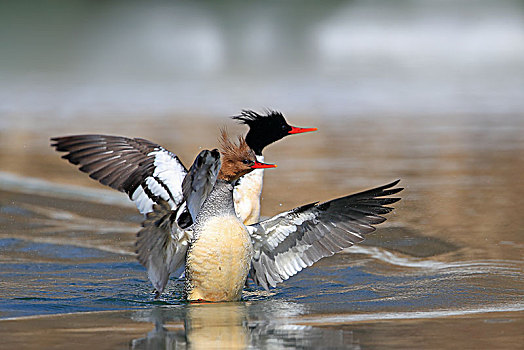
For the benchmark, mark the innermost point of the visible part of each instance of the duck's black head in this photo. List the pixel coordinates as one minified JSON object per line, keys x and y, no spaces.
{"x":264,"y":129}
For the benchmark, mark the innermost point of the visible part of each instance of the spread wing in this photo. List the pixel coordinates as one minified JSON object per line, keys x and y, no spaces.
{"x":144,"y":170}
{"x":200,"y":180}
{"x":161,"y":244}
{"x":293,"y":240}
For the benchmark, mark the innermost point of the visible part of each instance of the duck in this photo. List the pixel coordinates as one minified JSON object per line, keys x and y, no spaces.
{"x":149,"y":173}
{"x":264,"y":129}
{"x":221,"y":252}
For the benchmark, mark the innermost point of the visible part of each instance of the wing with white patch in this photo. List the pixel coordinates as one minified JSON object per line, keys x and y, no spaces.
{"x":161,"y":244}
{"x":293,"y":240}
{"x":144,"y":170}
{"x":200,"y":180}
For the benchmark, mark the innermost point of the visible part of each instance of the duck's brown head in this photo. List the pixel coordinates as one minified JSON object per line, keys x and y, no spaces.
{"x":237,"y":159}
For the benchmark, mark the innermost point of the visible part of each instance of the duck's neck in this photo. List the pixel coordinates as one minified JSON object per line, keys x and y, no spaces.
{"x":219,"y":201}
{"x":256,"y":142}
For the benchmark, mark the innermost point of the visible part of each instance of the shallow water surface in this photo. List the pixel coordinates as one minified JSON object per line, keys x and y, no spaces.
{"x":445,"y":270}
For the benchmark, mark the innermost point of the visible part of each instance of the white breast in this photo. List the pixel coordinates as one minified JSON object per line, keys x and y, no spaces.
{"x":219,"y":260}
{"x":247,"y":195}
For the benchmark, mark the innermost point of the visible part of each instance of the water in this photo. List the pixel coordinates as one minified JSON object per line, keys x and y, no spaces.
{"x":445,"y":270}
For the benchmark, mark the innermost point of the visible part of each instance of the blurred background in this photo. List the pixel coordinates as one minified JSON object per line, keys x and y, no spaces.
{"x":63,"y":59}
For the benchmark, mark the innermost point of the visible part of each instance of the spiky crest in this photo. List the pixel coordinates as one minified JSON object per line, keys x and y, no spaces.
{"x":237,"y":159}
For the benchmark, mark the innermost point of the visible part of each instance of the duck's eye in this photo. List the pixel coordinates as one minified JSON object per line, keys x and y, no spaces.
{"x":246,"y":161}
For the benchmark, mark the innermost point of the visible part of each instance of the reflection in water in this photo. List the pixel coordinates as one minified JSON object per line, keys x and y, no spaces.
{"x":217,"y":326}
{"x":160,"y":337}
{"x":235,"y":326}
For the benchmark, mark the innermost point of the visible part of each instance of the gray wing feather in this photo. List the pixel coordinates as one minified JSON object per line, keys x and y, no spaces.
{"x":161,"y":244}
{"x":200,"y":180}
{"x":293,"y":240}
{"x":144,"y":170}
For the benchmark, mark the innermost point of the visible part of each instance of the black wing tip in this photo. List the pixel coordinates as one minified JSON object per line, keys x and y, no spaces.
{"x":388,"y":190}
{"x":392,"y":191}
{"x":371,"y":200}
{"x":62,"y":138}
{"x":59,"y":141}
{"x":384,"y":190}
{"x":85,"y":137}
{"x":55,"y":141}
{"x":68,"y":137}
{"x":391,"y":184}
{"x":380,"y":191}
